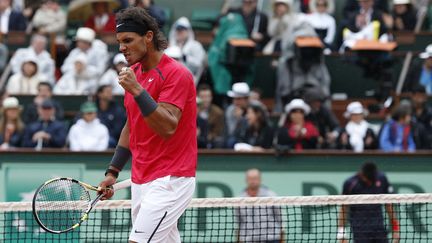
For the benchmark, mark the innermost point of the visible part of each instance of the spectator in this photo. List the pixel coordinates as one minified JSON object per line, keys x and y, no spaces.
{"x":102,"y":20}
{"x":3,"y":95}
{"x":422,"y":113}
{"x":11,"y":20}
{"x":79,"y":81}
{"x":420,"y":73}
{"x":365,"y":23}
{"x":357,"y":134}
{"x":88,"y":134}
{"x":44,"y":92}
{"x":11,"y":125}
{"x":323,"y":118}
{"x":37,"y":51}
{"x":236,"y":111}
{"x":110,"y":113}
{"x":95,"y":50}
{"x":26,"y":81}
{"x":258,"y":224}
{"x":110,"y":77}
{"x":283,"y":17}
{"x":301,"y":65}
{"x":193,"y":53}
{"x":321,"y":20}
{"x":257,"y":30}
{"x":254,"y":133}
{"x":47,"y":132}
{"x":352,"y":6}
{"x":4,"y":56}
{"x":155,"y":11}
{"x":404,"y":16}
{"x":295,"y":132}
{"x":397,"y":134}
{"x":367,"y":221}
{"x":50,"y":18}
{"x":211,"y":119}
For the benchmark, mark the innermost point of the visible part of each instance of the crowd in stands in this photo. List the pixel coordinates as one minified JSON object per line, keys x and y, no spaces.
{"x":231,"y":113}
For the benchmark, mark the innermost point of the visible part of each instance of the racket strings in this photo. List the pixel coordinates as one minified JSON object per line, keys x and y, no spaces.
{"x":60,"y":204}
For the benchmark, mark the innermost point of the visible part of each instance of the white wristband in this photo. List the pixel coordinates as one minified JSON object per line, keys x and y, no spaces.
{"x":341,"y":234}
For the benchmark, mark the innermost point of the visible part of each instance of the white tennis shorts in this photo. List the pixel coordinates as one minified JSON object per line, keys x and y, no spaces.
{"x":151,"y":200}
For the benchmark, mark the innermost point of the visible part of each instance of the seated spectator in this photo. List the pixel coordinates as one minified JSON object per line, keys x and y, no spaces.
{"x":11,"y":20}
{"x":404,"y":16}
{"x":321,"y":20}
{"x":88,"y":134}
{"x":257,"y":31}
{"x":155,"y":11}
{"x":396,"y":135}
{"x":110,"y":77}
{"x":193,"y":53}
{"x":283,"y":16}
{"x":422,"y":113}
{"x":357,"y":134}
{"x":420,"y":73}
{"x":78,"y":81}
{"x":366,"y":23}
{"x":49,"y":18}
{"x":11,"y":125}
{"x":254,"y":133}
{"x":323,"y":118}
{"x":4,"y":56}
{"x":352,"y":7}
{"x":211,"y":119}
{"x":236,"y":111}
{"x":26,"y":81}
{"x":44,"y":92}
{"x":47,"y":131}
{"x":110,"y":113}
{"x":102,"y":20}
{"x":295,"y":132}
{"x":95,"y":50}
{"x":37,"y":51}
{"x":3,"y":95}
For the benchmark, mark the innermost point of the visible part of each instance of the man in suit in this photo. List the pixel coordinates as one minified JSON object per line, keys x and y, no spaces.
{"x":11,"y":20}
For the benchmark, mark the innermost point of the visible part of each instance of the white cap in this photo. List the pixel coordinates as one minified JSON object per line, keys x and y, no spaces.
{"x":11,"y":102}
{"x":174,"y":52}
{"x":427,"y":53}
{"x":297,"y":104}
{"x":287,"y":2}
{"x":395,"y":2}
{"x":119,"y":58}
{"x":354,"y":108}
{"x":85,"y":34}
{"x":239,"y":90}
{"x":183,"y":22}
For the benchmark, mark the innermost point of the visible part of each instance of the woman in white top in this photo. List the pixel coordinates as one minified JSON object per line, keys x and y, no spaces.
{"x":321,"y":20}
{"x":26,"y":81}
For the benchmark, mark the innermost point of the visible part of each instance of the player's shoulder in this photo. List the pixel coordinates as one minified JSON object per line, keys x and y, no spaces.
{"x":170,"y":66}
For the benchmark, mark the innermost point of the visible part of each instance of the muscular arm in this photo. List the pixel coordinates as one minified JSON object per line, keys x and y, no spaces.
{"x":123,"y":141}
{"x":164,"y":119}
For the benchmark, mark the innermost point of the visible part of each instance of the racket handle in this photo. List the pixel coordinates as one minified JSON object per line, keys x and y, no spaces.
{"x":122,"y":185}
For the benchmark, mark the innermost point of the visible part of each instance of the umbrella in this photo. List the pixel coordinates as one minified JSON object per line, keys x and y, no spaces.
{"x":81,"y":10}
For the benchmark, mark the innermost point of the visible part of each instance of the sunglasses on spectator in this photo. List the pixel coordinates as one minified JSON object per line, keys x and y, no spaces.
{"x":297,"y":110}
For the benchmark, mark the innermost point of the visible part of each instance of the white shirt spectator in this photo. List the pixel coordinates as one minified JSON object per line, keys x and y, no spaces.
{"x":50,"y":18}
{"x":323,"y":21}
{"x":110,"y":77}
{"x":88,"y":136}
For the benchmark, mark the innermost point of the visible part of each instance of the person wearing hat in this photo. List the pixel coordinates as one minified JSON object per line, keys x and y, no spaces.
{"x":47,"y":131}
{"x":26,"y":81}
{"x":404,"y":16}
{"x":420,"y":73}
{"x":192,"y":52}
{"x":357,"y":134}
{"x":11,"y":125}
{"x":36,"y":51}
{"x":95,"y":50}
{"x":322,"y":21}
{"x":110,"y":77}
{"x":88,"y":133}
{"x":236,"y":111}
{"x":294,"y":130}
{"x":397,"y":134}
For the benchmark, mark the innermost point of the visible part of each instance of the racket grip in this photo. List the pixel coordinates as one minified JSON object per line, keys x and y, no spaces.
{"x":122,"y":185}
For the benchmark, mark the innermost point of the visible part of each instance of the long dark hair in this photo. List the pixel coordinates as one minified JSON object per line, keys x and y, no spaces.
{"x":141,"y":17}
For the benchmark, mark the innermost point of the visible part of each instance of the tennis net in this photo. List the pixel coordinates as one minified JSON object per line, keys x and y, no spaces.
{"x":276,"y":219}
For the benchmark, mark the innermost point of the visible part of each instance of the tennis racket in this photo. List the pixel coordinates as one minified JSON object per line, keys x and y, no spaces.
{"x":62,"y":204}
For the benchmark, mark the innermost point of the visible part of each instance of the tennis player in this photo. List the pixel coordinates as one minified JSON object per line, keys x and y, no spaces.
{"x":367,"y":221}
{"x":160,"y":132}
